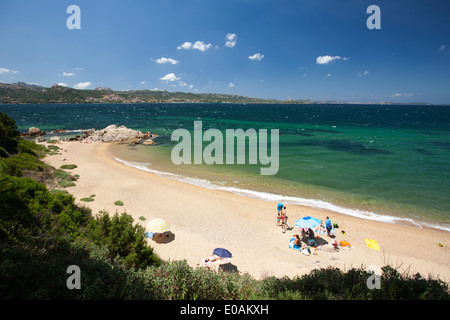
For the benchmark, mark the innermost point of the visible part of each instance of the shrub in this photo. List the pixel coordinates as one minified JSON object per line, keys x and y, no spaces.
{"x":29,"y":209}
{"x":122,"y":238}
{"x":63,"y":178}
{"x":118,"y":203}
{"x":17,"y":163}
{"x":68,"y":166}
{"x":176,"y":280}
{"x":8,"y":133}
{"x":87,"y":199}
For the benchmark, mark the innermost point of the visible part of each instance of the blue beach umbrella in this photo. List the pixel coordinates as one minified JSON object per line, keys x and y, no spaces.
{"x":221,"y":252}
{"x":307,"y":222}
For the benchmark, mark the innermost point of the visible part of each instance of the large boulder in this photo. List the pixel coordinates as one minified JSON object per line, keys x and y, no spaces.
{"x":34,"y":132}
{"x":113,"y":133}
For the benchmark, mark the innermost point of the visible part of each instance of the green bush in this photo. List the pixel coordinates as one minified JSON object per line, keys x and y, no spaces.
{"x":16,"y":164}
{"x":122,"y":238}
{"x":63,"y":178}
{"x":87,"y":199}
{"x":32,"y":273}
{"x":29,"y":209}
{"x":8,"y":133}
{"x":176,"y":280}
{"x":3,"y":153}
{"x":118,"y":203}
{"x":27,"y":146}
{"x":68,"y":166}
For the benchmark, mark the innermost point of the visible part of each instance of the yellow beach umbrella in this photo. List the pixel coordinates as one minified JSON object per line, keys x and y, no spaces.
{"x":158,"y":225}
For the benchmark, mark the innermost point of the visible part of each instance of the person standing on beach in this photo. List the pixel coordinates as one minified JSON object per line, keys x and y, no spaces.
{"x":279,"y":207}
{"x":283,"y":219}
{"x":328,"y":226}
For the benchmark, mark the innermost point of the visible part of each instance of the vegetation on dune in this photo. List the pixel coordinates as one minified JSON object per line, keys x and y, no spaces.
{"x":43,"y":231}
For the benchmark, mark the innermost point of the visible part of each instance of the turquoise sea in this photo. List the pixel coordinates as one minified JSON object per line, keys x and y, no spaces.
{"x":382,"y":162}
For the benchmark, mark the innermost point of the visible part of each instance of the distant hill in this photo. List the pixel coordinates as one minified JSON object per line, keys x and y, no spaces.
{"x":20,"y":92}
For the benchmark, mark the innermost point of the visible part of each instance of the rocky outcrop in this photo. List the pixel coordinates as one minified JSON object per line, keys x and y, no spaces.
{"x":33,"y":132}
{"x":114,"y":133}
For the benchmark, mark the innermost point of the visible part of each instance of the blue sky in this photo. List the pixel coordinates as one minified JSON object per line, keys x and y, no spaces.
{"x":309,"y":49}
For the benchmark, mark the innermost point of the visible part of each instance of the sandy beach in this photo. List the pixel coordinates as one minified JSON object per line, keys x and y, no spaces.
{"x":202,"y":219}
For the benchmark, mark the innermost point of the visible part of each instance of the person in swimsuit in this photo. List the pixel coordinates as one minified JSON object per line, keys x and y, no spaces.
{"x":283,"y":218}
{"x":279,"y":207}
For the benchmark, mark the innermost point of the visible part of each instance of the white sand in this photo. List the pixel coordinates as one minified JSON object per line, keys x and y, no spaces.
{"x":202,"y":219}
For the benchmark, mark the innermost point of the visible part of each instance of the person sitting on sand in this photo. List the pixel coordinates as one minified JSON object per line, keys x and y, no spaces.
{"x":311,"y":233}
{"x":320,"y":229}
{"x":297,"y":241}
{"x":304,"y":235}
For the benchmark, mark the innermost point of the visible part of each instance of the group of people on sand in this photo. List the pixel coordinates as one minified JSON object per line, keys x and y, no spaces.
{"x":282,"y":217}
{"x":282,"y":221}
{"x":307,"y":235}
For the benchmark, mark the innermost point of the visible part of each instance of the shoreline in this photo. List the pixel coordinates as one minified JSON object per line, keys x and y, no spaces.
{"x":386,"y":214}
{"x":287,"y":199}
{"x":202,"y":219}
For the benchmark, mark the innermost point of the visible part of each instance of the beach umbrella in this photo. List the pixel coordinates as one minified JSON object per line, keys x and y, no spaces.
{"x":221,"y":252}
{"x":158,"y":225}
{"x":307,"y":222}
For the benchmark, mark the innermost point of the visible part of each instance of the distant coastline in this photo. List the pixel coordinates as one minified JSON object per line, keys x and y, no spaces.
{"x":24,"y":93}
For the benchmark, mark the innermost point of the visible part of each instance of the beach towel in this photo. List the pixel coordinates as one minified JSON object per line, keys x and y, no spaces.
{"x":344,"y":243}
{"x":305,"y":251}
{"x":149,"y":235}
{"x":372,"y":244}
{"x":292,"y":245}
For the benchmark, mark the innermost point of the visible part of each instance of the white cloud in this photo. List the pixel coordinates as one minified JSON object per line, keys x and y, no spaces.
{"x":231,"y":40}
{"x":70,"y":74}
{"x":186,"y":46}
{"x":167,"y":60}
{"x":170,"y":77}
{"x":442,"y":48}
{"x":62,"y":84}
{"x":328,"y":75}
{"x":191,"y":86}
{"x":256,"y":56}
{"x":82,"y":85}
{"x":230,"y":85}
{"x":143,"y":82}
{"x":364,"y":73}
{"x":198,"y":45}
{"x":404,"y":95}
{"x":327,"y":59}
{"x":6,"y":70}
